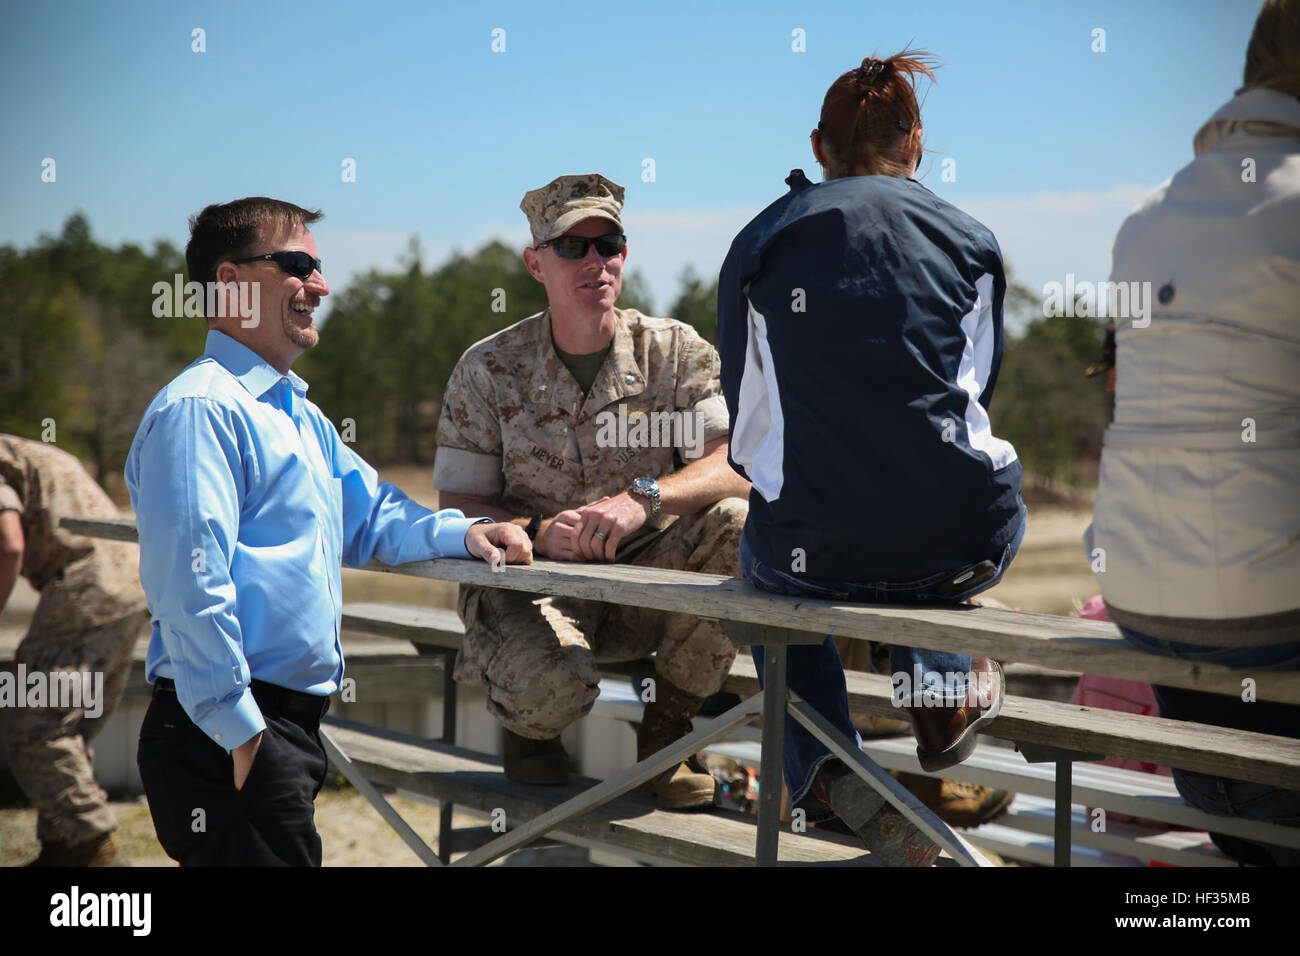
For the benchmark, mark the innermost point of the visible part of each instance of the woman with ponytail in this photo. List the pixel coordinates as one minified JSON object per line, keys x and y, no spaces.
{"x":860,"y":331}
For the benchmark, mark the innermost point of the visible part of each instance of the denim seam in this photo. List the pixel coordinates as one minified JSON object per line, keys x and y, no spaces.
{"x":798,"y":796}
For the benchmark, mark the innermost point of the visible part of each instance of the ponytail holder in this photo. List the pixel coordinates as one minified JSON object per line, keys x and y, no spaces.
{"x":868,"y":72}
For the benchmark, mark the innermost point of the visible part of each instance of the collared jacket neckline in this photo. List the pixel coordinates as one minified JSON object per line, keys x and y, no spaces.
{"x":619,"y":376}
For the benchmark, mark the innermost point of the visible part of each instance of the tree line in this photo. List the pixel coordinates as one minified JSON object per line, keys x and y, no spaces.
{"x":82,"y":352}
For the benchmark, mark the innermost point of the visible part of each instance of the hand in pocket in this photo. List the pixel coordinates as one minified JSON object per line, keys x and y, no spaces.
{"x":243,"y":757}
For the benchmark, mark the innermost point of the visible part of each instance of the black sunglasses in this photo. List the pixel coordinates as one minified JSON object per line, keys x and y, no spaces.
{"x":297,"y":264}
{"x":575,"y":247}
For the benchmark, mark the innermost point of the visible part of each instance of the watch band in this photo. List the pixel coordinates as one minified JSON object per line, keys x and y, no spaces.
{"x":532,"y":527}
{"x":651,"y":496}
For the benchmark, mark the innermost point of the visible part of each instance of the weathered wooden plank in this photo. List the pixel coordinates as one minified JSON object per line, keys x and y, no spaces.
{"x":1259,"y":758}
{"x":1145,"y":795}
{"x":438,"y":627}
{"x":631,"y":821}
{"x":1045,"y":639}
{"x":389,"y":679}
{"x":379,"y":678}
{"x":115,"y":529}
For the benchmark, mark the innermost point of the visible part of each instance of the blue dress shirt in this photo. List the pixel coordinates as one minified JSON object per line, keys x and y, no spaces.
{"x":247,"y":501}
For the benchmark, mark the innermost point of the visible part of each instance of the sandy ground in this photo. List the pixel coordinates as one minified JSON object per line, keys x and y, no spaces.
{"x":1050,"y":575}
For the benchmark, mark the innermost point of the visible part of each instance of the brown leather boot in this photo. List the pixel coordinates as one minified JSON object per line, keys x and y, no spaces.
{"x":956,"y":804}
{"x":945,"y":735}
{"x":98,"y":851}
{"x":539,"y":762}
{"x":668,"y":719}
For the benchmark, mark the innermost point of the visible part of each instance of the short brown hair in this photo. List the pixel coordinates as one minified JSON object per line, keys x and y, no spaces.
{"x":1273,"y":54}
{"x":229,"y":230}
{"x":869,"y":114}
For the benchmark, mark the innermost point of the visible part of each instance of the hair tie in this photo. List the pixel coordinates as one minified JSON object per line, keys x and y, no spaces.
{"x":869,"y":70}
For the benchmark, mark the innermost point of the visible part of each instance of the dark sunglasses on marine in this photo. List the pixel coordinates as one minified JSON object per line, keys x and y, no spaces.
{"x":297,"y":264}
{"x":575,"y":247}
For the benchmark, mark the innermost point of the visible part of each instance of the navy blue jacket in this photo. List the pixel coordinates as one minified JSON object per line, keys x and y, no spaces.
{"x":860,"y":332}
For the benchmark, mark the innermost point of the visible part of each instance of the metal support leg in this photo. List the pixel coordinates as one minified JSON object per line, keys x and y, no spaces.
{"x":616,"y":785}
{"x":769,"y":794}
{"x":893,"y":791}
{"x":394,"y":819}
{"x":1063,"y":791}
{"x":775,"y":642}
{"x":446,"y":808}
{"x":1061,"y":821}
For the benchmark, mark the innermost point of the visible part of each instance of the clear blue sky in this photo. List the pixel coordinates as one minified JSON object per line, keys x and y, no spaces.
{"x":1053,"y":142}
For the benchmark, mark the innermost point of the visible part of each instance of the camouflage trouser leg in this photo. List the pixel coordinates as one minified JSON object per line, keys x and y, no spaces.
{"x":49,"y":747}
{"x":691,"y":654}
{"x":537,"y":655}
{"x":532,"y":654}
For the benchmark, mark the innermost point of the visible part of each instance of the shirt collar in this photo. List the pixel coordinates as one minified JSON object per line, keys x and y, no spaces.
{"x":1260,"y":106}
{"x":252,"y":371}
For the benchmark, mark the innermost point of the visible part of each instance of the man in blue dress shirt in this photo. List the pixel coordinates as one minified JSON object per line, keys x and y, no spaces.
{"x":247,"y":500}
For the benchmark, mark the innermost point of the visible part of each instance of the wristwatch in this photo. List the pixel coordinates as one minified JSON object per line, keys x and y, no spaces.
{"x":647,"y":488}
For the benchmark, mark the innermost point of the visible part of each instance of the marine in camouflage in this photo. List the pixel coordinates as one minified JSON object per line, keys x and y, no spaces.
{"x":516,"y":427}
{"x":90,"y":614}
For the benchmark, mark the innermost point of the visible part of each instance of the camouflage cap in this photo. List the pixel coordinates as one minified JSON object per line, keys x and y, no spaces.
{"x":565,"y":201}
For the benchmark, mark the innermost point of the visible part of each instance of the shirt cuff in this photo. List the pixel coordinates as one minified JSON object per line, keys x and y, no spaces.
{"x":710,"y":421}
{"x":234,"y":725}
{"x":713,"y":419}
{"x":467,"y":472}
{"x":449,"y":539}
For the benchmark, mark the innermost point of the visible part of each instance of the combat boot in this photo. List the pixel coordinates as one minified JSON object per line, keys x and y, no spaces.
{"x":955,"y":803}
{"x":892,"y":839}
{"x":667,"y":719}
{"x":542,"y":762}
{"x":97,"y":851}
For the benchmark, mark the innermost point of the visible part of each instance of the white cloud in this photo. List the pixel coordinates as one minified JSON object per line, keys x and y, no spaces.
{"x":348,"y":253}
{"x":1045,"y":236}
{"x":662,"y":244}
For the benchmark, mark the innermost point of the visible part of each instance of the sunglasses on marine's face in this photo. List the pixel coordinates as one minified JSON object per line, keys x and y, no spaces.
{"x":575,"y":247}
{"x":297,"y":264}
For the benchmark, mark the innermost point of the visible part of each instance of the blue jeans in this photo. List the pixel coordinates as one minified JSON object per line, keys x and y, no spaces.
{"x":1219,"y":795}
{"x":815,"y":673}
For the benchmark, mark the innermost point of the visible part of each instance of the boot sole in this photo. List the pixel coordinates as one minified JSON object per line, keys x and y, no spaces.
{"x":966,"y":742}
{"x":700,"y":800}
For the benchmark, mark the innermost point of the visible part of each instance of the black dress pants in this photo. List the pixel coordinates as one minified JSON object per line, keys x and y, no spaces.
{"x":199,"y":816}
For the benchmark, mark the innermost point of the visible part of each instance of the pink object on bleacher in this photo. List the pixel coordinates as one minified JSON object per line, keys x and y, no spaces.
{"x":1115,"y":693}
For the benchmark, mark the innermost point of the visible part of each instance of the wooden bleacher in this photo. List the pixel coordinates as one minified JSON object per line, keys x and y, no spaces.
{"x":1025,"y":832}
{"x":755,"y":617}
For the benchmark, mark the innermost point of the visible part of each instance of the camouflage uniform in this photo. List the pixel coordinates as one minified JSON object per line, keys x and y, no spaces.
{"x":90,"y":614}
{"x":516,"y":427}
